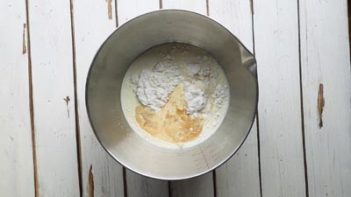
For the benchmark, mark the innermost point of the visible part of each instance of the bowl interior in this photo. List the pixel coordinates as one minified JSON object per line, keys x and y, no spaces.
{"x":105,"y":78}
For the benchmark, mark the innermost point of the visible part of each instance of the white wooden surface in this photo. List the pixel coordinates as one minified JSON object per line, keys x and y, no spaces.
{"x":51,"y":55}
{"x":101,"y":175}
{"x":325,"y":60}
{"x":279,"y":108}
{"x":16,"y":166}
{"x":298,"y":45}
{"x":240,"y":175}
{"x":137,"y":185}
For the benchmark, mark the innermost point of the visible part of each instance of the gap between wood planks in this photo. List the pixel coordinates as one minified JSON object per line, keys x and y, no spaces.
{"x":116,"y":15}
{"x":301,"y":101}
{"x":125,"y":187}
{"x":207,"y":8}
{"x":170,"y":191}
{"x":31,"y":104}
{"x":76,"y":113}
{"x":257,"y":119}
{"x":124,"y":173}
{"x":160,"y":4}
{"x":214,"y":178}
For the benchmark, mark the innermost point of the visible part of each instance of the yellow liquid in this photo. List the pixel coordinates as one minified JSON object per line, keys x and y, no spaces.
{"x":171,"y":123}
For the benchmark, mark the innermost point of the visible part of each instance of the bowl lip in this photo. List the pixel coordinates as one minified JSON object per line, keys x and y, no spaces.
{"x":150,"y":175}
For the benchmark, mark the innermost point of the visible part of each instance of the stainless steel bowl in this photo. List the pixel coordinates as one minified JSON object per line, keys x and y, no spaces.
{"x":103,"y":88}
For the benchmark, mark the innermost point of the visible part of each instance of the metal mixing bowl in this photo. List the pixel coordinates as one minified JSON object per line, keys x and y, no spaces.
{"x":103,"y":88}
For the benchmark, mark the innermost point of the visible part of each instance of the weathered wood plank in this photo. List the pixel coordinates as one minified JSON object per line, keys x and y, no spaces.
{"x":279,"y":109}
{"x":240,"y":175}
{"x":325,"y":63}
{"x":53,"y":93}
{"x":203,"y":185}
{"x":128,"y":9}
{"x":138,"y":185}
{"x":93,"y":22}
{"x":198,"y":6}
{"x":15,"y":135}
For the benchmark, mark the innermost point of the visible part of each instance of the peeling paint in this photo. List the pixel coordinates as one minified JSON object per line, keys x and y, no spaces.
{"x":320,"y":104}
{"x":109,"y":9}
{"x":91,"y":182}
{"x":24,"y":45}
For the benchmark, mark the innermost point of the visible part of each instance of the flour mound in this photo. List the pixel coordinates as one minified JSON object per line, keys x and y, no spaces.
{"x":204,"y":92}
{"x":154,"y":86}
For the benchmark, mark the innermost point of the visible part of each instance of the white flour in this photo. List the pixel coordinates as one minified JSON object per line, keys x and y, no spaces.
{"x":200,"y":80}
{"x":154,"y":85}
{"x":155,"y":74}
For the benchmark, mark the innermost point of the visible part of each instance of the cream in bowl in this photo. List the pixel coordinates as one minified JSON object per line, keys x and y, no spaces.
{"x":175,"y":95}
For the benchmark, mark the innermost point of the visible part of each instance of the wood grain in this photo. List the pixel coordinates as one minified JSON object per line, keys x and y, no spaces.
{"x":47,"y":70}
{"x":240,"y":175}
{"x":201,"y":186}
{"x":198,"y":6}
{"x":101,"y":175}
{"x":140,"y":186}
{"x":51,"y":52}
{"x":16,"y":167}
{"x":325,"y":59}
{"x":128,"y":9}
{"x":279,"y":109}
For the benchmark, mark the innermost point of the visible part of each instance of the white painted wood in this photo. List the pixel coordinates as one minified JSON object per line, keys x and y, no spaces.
{"x":325,"y":60}
{"x":240,"y":175}
{"x":236,"y":16}
{"x":138,"y":185}
{"x":198,"y":6}
{"x":128,"y":9}
{"x":92,"y":26}
{"x":51,"y":47}
{"x":277,"y":53}
{"x":201,"y":186}
{"x":16,"y":167}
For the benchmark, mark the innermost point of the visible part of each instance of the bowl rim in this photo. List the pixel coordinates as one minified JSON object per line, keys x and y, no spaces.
{"x":219,"y":164}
